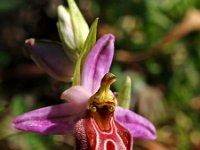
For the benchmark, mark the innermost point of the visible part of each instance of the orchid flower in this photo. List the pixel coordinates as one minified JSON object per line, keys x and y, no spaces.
{"x":91,"y":111}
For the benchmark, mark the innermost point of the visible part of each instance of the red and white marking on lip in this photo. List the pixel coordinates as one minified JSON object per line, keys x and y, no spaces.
{"x":108,"y":140}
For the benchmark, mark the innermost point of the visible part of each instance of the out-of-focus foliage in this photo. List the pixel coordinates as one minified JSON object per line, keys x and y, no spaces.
{"x":157,"y":45}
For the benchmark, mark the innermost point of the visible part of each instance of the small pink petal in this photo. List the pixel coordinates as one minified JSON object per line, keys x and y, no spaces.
{"x":98,"y":63}
{"x":138,"y":126}
{"x":57,"y":119}
{"x":77,"y":95}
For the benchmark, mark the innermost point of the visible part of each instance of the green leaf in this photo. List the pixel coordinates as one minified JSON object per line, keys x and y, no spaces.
{"x":125,"y":93}
{"x":18,"y":105}
{"x":6,"y":6}
{"x":89,"y":43}
{"x":80,"y":26}
{"x":2,"y":107}
{"x":40,"y":142}
{"x":4,"y":58}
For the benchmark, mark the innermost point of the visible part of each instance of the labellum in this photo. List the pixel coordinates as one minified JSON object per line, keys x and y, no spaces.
{"x":99,"y":130}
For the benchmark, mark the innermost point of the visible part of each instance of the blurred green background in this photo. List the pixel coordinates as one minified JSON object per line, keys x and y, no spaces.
{"x":157,"y":44}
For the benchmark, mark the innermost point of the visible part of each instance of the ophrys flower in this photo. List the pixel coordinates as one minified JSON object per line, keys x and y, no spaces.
{"x":62,"y":118}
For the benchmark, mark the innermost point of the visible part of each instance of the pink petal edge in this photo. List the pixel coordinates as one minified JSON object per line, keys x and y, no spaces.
{"x":57,"y":119}
{"x":138,"y":126}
